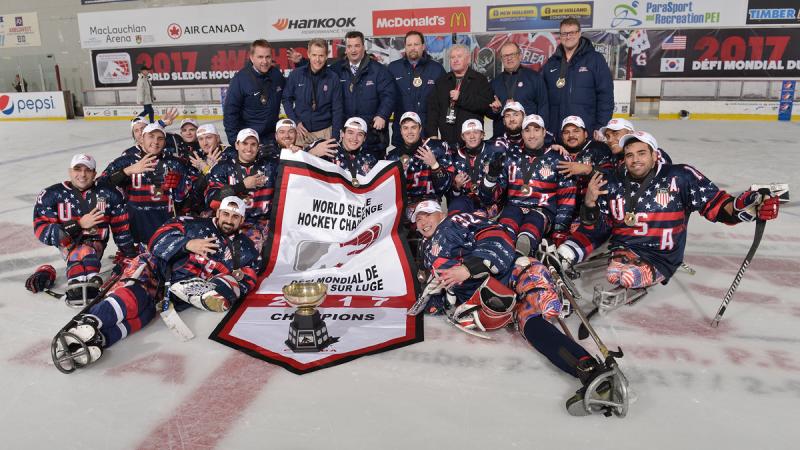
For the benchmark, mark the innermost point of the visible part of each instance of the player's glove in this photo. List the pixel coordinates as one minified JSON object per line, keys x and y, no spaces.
{"x":496,"y":165}
{"x":43,"y":278}
{"x":171,"y":180}
{"x":752,"y":205}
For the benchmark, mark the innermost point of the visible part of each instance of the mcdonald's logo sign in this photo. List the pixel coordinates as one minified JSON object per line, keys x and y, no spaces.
{"x":459,"y":21}
{"x":397,"y":22}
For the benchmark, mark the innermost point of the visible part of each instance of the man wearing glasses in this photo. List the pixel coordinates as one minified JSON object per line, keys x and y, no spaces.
{"x":578,"y":82}
{"x":517,"y":84}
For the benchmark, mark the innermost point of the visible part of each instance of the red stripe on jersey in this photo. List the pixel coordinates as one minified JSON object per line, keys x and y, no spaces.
{"x":651,"y":231}
{"x":493,"y":233}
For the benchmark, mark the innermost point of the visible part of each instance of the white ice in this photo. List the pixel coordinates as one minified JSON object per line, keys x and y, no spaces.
{"x":733,"y":388}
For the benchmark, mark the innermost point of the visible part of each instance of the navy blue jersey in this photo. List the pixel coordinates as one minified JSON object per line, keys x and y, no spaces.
{"x":531,"y":180}
{"x":662,"y":214}
{"x":147,"y":204}
{"x":235,"y":252}
{"x":467,"y":235}
{"x":422,"y":183}
{"x":473,"y":163}
{"x":227,"y":179}
{"x":60,"y":205}
{"x":358,"y":161}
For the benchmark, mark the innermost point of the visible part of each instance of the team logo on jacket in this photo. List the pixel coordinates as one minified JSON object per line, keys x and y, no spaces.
{"x":436,"y":248}
{"x":101,"y":204}
{"x":545,"y":172}
{"x":662,"y":197}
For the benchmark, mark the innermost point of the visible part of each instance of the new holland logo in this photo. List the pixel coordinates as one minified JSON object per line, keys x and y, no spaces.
{"x":6,"y":105}
{"x":303,"y":24}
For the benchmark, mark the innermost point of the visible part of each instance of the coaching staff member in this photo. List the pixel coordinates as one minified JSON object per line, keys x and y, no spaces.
{"x":254,"y":95}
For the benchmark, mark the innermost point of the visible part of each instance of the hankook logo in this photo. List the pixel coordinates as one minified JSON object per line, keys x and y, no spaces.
{"x":303,"y":24}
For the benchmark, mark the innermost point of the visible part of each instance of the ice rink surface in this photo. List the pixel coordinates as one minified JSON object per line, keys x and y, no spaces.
{"x":735,"y":388}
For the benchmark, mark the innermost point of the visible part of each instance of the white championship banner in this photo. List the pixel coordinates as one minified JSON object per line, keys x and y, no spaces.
{"x":328,"y":229}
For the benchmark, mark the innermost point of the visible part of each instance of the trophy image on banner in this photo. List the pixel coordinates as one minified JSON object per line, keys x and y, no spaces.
{"x":307,"y":332}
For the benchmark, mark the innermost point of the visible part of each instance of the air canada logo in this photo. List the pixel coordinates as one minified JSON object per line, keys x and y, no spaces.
{"x":174,"y":31}
{"x":6,"y":105}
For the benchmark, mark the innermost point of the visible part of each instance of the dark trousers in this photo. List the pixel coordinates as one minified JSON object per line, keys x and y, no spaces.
{"x":148,"y":111}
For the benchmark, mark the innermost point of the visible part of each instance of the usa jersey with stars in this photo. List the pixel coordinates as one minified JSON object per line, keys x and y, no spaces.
{"x":596,"y":154}
{"x":148,"y":207}
{"x":227,"y":179}
{"x":547,"y":190}
{"x":235,"y":252}
{"x":662,"y":214}
{"x":474,"y":164}
{"x":358,"y":161}
{"x":422,"y":183}
{"x":466,"y":235}
{"x":59,"y":204}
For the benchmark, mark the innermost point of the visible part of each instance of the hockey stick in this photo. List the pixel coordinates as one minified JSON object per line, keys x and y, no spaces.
{"x":760,"y":225}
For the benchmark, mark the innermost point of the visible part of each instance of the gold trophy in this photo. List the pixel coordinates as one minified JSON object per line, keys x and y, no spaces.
{"x":307,"y":332}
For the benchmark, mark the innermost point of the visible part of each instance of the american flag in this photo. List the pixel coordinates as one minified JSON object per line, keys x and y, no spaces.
{"x":662,"y":197}
{"x":674,"y":43}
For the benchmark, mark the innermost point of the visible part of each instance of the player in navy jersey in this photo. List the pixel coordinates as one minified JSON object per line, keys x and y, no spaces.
{"x":473,"y":259}
{"x":151,"y":182}
{"x":349,"y":153}
{"x":77,"y":216}
{"x":613,"y":132}
{"x":511,"y":140}
{"x":644,"y":209}
{"x":537,"y":198}
{"x":208,"y":262}
{"x":471,"y":160}
{"x":426,"y":163}
{"x":250,"y":177}
{"x":137,"y":126}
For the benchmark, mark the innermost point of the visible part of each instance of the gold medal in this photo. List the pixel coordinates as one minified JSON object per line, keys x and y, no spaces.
{"x":157,"y":192}
{"x":526,"y":190}
{"x":561,"y":82}
{"x":238,"y":274}
{"x":417,"y":81}
{"x":404,"y":160}
{"x":355,"y":182}
{"x":474,"y":187}
{"x":630,"y":219}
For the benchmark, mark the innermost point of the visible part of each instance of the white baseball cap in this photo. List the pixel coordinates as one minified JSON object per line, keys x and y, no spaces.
{"x":137,"y":120}
{"x":533,"y":119}
{"x":471,"y":124}
{"x":513,"y":106}
{"x":82,"y":159}
{"x":641,"y":136}
{"x":190,"y":121}
{"x":233,"y":204}
{"x":356,"y":123}
{"x":426,"y":206}
{"x":207,"y":128}
{"x":573,"y":120}
{"x":618,"y":124}
{"x":285,"y":123}
{"x":245,"y":133}
{"x":155,"y":126}
{"x":411,"y":115}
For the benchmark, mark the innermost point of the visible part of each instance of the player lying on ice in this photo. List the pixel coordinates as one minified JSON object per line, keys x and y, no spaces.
{"x":643,"y":206}
{"x":473,"y":259}
{"x":206,"y":262}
